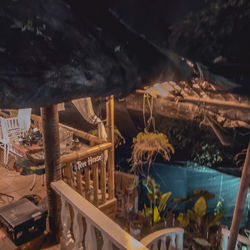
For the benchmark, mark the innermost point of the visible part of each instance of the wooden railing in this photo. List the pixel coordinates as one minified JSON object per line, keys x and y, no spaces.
{"x":224,"y":240}
{"x":93,"y":185}
{"x":175,"y":235}
{"x":97,"y":183}
{"x":91,"y":228}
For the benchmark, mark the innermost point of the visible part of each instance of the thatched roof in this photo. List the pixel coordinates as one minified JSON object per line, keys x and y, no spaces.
{"x":56,"y":50}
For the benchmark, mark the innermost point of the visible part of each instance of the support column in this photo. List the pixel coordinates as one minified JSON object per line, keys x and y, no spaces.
{"x":240,"y":202}
{"x":52,"y":165}
{"x":111,"y":156}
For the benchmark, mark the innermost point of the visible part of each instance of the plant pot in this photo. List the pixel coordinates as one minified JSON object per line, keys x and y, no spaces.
{"x":135,"y":229}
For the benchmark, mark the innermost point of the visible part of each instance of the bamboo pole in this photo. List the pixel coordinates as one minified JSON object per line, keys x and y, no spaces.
{"x":76,"y":132}
{"x":111,"y":156}
{"x":83,"y":154}
{"x":95,"y":183}
{"x":68,"y":173}
{"x":208,"y":101}
{"x":103,"y":182}
{"x":79,"y":187}
{"x":240,"y":202}
{"x":52,"y":166}
{"x":87,"y":183}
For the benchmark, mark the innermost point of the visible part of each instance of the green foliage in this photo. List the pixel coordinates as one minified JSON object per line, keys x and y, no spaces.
{"x":200,"y":207}
{"x":195,"y":195}
{"x":197,"y":222}
{"x":218,"y":207}
{"x":205,"y":33}
{"x":157,"y":200}
{"x":146,"y":145}
{"x":208,"y":156}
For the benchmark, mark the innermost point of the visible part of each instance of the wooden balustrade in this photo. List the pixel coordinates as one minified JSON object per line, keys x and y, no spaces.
{"x":93,"y":185}
{"x":174,"y":234}
{"x":83,"y":235}
{"x":224,"y":239}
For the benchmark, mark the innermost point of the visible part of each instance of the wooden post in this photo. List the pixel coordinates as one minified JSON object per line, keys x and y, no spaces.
{"x":103,"y":181}
{"x":87,"y":183}
{"x":79,"y":186}
{"x":95,"y":183}
{"x":241,"y":198}
{"x":52,"y":166}
{"x":111,"y":155}
{"x":68,"y":173}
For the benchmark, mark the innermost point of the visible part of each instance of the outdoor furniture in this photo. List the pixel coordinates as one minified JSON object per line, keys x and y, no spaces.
{"x":12,"y":129}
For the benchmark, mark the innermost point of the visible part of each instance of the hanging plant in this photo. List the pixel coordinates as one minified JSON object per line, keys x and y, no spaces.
{"x":146,"y":146}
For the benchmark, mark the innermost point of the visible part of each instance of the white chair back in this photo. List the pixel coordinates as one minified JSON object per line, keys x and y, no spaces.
{"x":9,"y":128}
{"x":24,"y":119}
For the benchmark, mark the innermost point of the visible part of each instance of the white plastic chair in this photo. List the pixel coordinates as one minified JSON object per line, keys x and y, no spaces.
{"x":12,"y":129}
{"x":24,"y":120}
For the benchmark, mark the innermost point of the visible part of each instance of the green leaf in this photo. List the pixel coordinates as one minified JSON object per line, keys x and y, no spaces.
{"x":214,"y":220}
{"x":204,"y":193}
{"x":150,"y":197}
{"x":179,"y":200}
{"x":193,"y":216}
{"x":163,"y":200}
{"x":147,"y":211}
{"x":156,"y":215}
{"x":183,"y":219}
{"x":200,"y":207}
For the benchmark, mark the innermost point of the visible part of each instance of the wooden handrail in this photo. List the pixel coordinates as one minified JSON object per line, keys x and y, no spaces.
{"x":80,"y":155}
{"x":153,"y":238}
{"x":111,"y":232}
{"x":76,"y":132}
{"x":224,"y":240}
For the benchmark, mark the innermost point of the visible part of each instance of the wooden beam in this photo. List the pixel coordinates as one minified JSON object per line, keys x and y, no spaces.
{"x":76,"y":132}
{"x":111,"y":156}
{"x":240,"y":202}
{"x":52,"y":166}
{"x":83,"y":154}
{"x":207,"y":101}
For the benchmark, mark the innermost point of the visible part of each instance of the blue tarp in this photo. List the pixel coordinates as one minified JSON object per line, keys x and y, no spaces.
{"x":183,"y":180}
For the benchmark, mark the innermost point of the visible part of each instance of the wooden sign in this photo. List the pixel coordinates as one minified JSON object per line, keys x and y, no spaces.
{"x":77,"y":166}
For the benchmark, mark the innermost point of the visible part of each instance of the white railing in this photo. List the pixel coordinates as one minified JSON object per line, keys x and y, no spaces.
{"x":84,"y":235}
{"x":153,"y":240}
{"x":224,"y":240}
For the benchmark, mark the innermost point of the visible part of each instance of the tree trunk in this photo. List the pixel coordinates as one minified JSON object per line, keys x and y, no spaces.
{"x":239,"y":206}
{"x":52,"y":166}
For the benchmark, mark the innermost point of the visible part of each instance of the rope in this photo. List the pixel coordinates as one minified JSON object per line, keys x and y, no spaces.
{"x":151,"y":119}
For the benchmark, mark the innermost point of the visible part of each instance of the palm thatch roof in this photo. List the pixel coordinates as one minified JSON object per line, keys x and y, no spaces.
{"x":56,"y":50}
